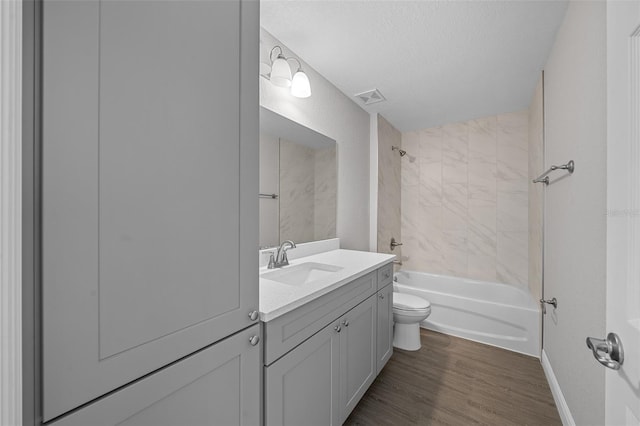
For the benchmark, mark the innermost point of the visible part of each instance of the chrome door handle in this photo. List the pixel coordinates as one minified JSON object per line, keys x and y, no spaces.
{"x":345,"y":323}
{"x":337,"y":328}
{"x":608,"y":352}
{"x":254,"y":340}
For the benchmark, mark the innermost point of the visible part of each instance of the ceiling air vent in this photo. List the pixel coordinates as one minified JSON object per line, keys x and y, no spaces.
{"x":370,"y":97}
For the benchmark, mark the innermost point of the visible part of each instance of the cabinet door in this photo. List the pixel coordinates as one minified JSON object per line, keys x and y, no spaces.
{"x":302,"y":387}
{"x":385,"y":327}
{"x":149,"y":182}
{"x":357,"y":353}
{"x":219,"y":385}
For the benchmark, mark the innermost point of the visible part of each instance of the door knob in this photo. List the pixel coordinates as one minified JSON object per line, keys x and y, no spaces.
{"x":254,"y":340}
{"x":608,"y":352}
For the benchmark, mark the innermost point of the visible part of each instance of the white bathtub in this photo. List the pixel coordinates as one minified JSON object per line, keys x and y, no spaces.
{"x":491,"y":313}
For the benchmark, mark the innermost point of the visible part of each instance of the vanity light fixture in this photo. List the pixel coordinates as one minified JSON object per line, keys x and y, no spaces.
{"x":300,"y":87}
{"x":280,"y":74}
{"x":280,"y":71}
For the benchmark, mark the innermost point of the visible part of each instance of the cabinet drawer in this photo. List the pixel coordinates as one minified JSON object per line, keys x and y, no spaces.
{"x":217,"y":385}
{"x":288,"y":331}
{"x":385,"y":275}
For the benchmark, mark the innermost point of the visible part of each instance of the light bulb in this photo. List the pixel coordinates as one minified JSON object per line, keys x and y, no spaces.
{"x":300,"y":87}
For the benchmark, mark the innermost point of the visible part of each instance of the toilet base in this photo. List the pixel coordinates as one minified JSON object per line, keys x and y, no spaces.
{"x":407,"y":336}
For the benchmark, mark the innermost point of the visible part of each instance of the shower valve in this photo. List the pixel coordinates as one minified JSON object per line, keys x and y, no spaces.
{"x":394,"y":244}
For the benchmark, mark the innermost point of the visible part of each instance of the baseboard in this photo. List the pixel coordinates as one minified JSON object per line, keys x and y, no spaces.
{"x":561,"y":403}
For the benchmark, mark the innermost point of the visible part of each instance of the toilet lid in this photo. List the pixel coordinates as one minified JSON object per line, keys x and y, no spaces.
{"x":409,"y":302}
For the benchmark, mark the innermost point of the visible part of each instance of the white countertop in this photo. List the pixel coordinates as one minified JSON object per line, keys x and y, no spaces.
{"x":277,"y":299}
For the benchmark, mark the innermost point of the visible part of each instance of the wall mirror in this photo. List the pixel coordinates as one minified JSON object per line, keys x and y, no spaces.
{"x":298,"y":182}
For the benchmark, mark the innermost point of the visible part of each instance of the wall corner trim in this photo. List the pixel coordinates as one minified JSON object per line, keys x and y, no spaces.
{"x":558,"y":397}
{"x":11,"y":212}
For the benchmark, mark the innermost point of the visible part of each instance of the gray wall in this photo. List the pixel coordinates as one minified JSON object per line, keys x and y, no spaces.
{"x":575,"y":207}
{"x":333,"y":114}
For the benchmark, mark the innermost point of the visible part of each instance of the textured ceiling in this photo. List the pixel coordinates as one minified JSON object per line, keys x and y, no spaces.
{"x":435,"y":62}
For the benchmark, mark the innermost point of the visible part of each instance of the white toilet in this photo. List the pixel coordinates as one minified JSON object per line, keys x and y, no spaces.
{"x":408,"y":311}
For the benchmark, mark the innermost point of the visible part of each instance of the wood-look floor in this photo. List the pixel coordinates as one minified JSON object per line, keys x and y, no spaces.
{"x":453,"y":381}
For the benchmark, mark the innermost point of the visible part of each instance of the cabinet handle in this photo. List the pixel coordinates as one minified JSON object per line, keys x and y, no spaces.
{"x":381,"y":296}
{"x":345,"y":323}
{"x":254,"y":340}
{"x":253,"y":315}
{"x":337,"y":328}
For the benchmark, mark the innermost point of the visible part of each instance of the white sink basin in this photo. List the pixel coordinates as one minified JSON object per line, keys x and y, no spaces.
{"x":301,"y":274}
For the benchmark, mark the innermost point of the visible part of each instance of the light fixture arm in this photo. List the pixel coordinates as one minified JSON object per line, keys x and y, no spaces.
{"x":279,"y":54}
{"x":295,"y":59}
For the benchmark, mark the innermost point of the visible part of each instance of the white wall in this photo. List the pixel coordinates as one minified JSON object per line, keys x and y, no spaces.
{"x":333,"y":114}
{"x":536,"y":190}
{"x":575,"y":207}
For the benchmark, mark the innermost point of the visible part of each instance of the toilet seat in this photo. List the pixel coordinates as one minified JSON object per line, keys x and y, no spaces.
{"x":408,"y":302}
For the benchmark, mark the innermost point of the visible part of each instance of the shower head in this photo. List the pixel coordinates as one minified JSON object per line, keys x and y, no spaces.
{"x":401,"y":151}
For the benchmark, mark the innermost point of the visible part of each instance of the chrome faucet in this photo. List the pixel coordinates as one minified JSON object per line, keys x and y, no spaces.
{"x":281,"y":256}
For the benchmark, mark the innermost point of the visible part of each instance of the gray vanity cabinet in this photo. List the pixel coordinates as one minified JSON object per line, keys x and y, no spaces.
{"x":385,"y":326}
{"x":215,"y":386}
{"x":321,"y":380}
{"x":303,"y":387}
{"x":357,"y":353}
{"x":150,"y":176}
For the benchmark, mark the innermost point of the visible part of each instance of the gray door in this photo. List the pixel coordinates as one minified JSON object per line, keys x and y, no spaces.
{"x":302,"y":387}
{"x":217,"y":386}
{"x":357,"y":353}
{"x":149,"y":182}
{"x":385,"y":327}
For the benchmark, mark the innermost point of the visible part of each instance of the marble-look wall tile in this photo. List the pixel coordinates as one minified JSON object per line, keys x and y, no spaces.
{"x":512,"y":261}
{"x":482,"y":231}
{"x":482,"y":168}
{"x":513,"y":205}
{"x":325,"y":193}
{"x":454,"y":252}
{"x":390,"y":176}
{"x":512,"y":153}
{"x":296,"y":192}
{"x":455,"y":153}
{"x":464,"y":205}
{"x":454,"y":206}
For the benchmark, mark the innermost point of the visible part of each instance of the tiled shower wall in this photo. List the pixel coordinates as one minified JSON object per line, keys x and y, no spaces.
{"x":465,"y":199}
{"x":389,"y":191}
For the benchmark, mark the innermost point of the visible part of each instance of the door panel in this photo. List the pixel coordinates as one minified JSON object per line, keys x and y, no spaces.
{"x":218,"y":386}
{"x":168,"y":155}
{"x":357,"y":353}
{"x":302,"y":387}
{"x":142,"y":151}
{"x":622,"y":391}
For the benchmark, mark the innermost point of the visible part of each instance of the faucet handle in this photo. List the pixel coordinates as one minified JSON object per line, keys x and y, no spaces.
{"x":272,"y":262}
{"x":285,"y":259}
